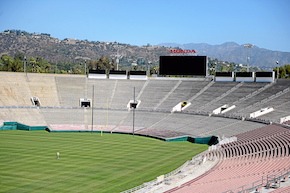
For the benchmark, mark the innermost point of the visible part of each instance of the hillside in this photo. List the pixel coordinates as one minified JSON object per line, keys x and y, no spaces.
{"x":233,"y":52}
{"x":71,"y":50}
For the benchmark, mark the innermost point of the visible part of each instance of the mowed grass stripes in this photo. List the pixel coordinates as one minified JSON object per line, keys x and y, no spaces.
{"x":88,"y":162}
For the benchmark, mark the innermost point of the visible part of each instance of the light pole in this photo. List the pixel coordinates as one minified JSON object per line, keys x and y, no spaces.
{"x":248,"y":58}
{"x":55,"y":68}
{"x":118,"y":56}
{"x":24,"y":65}
{"x":86,"y":94}
{"x":133,"y":106}
{"x":85,"y":67}
{"x":277,"y":62}
{"x":92,"y":101}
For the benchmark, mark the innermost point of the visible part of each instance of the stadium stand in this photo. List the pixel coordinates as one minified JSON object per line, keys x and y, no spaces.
{"x":242,"y":90}
{"x":182,"y":91}
{"x":123,"y":92}
{"x":258,"y":157}
{"x":154,"y":92}
{"x":282,"y":190}
{"x":255,"y":161}
{"x":281,"y":107}
{"x":44,"y":87}
{"x":160,"y":133}
{"x":14,"y":90}
{"x":271,"y":90}
{"x":200,"y":125}
{"x":70,"y":89}
{"x":213,"y":92}
{"x":279,"y":97}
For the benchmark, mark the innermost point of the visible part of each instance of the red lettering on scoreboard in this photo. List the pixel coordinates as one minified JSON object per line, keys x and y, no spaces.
{"x":177,"y":51}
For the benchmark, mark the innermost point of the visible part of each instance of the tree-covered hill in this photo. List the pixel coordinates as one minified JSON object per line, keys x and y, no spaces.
{"x":43,"y":53}
{"x":71,"y":50}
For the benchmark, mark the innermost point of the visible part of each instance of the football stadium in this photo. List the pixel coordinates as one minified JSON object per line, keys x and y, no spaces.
{"x":127,"y":132}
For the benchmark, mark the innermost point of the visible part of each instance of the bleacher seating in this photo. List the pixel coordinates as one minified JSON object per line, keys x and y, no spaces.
{"x":253,"y":158}
{"x":123,"y":92}
{"x":154,"y":92}
{"x":260,"y":96}
{"x":156,"y":95}
{"x":14,"y":90}
{"x":213,"y":92}
{"x":44,"y":87}
{"x":244,"y":90}
{"x":282,"y":190}
{"x":258,"y":151}
{"x":70,"y":89}
{"x":161,"y":133}
{"x":181,"y":91}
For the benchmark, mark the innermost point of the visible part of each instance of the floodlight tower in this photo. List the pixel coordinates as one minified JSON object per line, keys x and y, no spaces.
{"x":277,"y":62}
{"x":85,"y":67}
{"x":86,"y":94}
{"x":248,"y":46}
{"x":24,"y":66}
{"x":93,"y":98}
{"x":134,"y":107}
{"x":118,"y":57}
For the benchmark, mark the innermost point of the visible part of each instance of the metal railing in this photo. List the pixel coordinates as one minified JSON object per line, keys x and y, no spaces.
{"x":166,"y":176}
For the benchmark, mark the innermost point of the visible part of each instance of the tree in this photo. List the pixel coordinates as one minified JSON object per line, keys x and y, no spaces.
{"x":31,"y":64}
{"x":287,"y":68}
{"x":19,"y":56}
{"x":17,"y":65}
{"x":104,"y":63}
{"x":284,"y":71}
{"x":6,"y":62}
{"x":43,"y":65}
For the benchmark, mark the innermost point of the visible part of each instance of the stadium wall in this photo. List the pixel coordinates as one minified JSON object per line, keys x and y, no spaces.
{"x":19,"y":126}
{"x":211,"y":140}
{"x":244,"y":76}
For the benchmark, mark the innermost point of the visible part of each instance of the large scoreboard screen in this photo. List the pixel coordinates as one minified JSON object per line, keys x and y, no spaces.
{"x":183,"y":65}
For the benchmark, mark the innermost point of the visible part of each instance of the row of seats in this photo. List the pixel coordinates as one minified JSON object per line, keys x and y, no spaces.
{"x":153,"y":122}
{"x":66,"y":90}
{"x":245,"y":163}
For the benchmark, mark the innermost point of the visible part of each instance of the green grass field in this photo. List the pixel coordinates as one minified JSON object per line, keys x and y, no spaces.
{"x":88,"y":162}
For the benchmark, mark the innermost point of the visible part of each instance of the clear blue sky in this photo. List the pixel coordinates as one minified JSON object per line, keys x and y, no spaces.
{"x":264,"y":23}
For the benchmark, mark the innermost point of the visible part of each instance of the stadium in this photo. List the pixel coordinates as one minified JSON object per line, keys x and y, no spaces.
{"x":243,"y":125}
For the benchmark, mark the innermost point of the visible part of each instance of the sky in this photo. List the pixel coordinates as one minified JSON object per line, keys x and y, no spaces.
{"x":263,"y":23}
